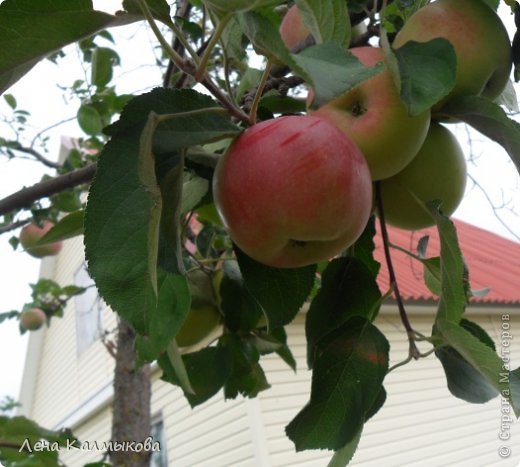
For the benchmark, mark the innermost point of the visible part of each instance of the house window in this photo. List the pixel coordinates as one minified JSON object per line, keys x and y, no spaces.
{"x":158,"y":458}
{"x":88,"y":311}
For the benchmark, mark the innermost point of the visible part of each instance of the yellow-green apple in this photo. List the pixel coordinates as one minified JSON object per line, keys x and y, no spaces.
{"x":293,"y":191}
{"x":438,"y":172}
{"x":480,"y":40}
{"x":32,"y":233}
{"x":204,"y":316}
{"x":373,"y":115}
{"x":32,"y":319}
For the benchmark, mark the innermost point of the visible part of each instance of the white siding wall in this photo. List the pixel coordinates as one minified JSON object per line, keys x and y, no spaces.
{"x":64,"y":380}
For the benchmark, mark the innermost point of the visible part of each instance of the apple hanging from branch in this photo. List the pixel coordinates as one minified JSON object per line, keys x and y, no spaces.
{"x":31,"y":234}
{"x":438,"y":172}
{"x":293,"y":191}
{"x":373,"y":115}
{"x":480,"y":40}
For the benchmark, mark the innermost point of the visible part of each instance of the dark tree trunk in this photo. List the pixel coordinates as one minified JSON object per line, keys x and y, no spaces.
{"x":131,"y":408}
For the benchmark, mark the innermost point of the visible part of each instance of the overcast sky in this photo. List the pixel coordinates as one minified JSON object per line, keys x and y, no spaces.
{"x":38,"y":93}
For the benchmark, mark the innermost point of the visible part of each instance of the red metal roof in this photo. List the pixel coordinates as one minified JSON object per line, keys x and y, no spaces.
{"x":493,"y":262}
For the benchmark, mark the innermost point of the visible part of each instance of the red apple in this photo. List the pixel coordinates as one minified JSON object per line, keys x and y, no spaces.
{"x":373,"y":115}
{"x":31,"y":234}
{"x":32,"y":319}
{"x":293,"y":191}
{"x":478,"y":36}
{"x":293,"y":29}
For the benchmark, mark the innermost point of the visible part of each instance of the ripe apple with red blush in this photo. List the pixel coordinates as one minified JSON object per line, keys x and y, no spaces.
{"x":31,"y":234}
{"x":32,"y":319}
{"x":293,"y":191}
{"x":373,"y":115}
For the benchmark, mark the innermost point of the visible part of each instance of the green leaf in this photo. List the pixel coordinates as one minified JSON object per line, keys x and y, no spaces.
{"x":120,"y":210}
{"x":483,"y":359}
{"x":346,"y":381}
{"x":453,"y":273}
{"x":103,"y":61}
{"x":11,"y":101}
{"x":247,"y":377}
{"x":347,"y":289}
{"x":275,"y":340}
{"x":465,"y":381}
{"x":241,"y":310}
{"x":432,"y":274}
{"x":67,"y":201}
{"x":332,"y":71}
{"x":282,"y":104}
{"x":490,"y":120}
{"x":193,"y":190}
{"x":9,"y":315}
{"x":234,"y":6}
{"x":427,"y":73}
{"x":208,"y":370}
{"x":89,"y":120}
{"x":176,"y":133}
{"x":159,"y":8}
{"x":327,"y":21}
{"x":165,"y":320}
{"x":363,"y":248}
{"x":344,"y":455}
{"x":30,"y":31}
{"x":280,"y":292}
{"x":232,"y":43}
{"x":69,"y":226}
{"x":266,"y":39}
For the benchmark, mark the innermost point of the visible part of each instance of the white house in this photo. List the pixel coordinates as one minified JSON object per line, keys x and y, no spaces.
{"x":68,"y":381}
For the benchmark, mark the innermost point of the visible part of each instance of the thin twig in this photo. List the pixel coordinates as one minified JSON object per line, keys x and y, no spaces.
{"x":413,"y":350}
{"x":259,"y":93}
{"x":37,"y":155}
{"x":217,"y":33}
{"x":13,"y":226}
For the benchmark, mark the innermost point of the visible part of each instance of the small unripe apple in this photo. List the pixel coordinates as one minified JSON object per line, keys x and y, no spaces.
{"x":373,"y":115}
{"x":31,"y":234}
{"x":438,"y":172}
{"x":32,"y":319}
{"x":293,"y":191}
{"x":204,"y":316}
{"x":480,"y":40}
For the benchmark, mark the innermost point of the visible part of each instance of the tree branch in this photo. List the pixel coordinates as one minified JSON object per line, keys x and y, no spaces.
{"x":26,"y":196}
{"x":37,"y":155}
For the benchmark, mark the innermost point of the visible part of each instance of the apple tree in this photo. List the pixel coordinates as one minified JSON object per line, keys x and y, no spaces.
{"x":247,"y":186}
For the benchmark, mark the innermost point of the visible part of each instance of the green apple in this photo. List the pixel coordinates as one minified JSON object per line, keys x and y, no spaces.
{"x":204,"y":316}
{"x":32,"y":319}
{"x":481,"y":43}
{"x":293,"y":191}
{"x":31,"y":234}
{"x":438,"y":172}
{"x":375,"y":118}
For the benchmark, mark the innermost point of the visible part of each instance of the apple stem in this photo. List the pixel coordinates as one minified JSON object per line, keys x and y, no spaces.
{"x":413,"y":351}
{"x":259,"y":92}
